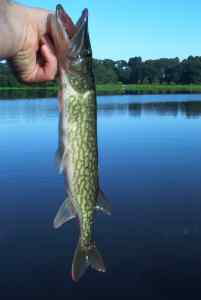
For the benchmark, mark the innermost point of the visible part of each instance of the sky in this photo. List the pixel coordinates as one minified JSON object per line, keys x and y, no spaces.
{"x":120,"y":29}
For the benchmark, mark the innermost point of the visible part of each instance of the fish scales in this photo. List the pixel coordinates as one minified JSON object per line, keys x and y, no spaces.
{"x":77,"y":153}
{"x":82,"y":157}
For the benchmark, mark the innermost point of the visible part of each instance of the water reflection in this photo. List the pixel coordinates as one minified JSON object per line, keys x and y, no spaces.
{"x":47,"y":108}
{"x":150,"y":168}
{"x":188,"y":109}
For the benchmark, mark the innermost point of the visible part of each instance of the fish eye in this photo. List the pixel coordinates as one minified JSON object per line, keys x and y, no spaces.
{"x":77,"y":63}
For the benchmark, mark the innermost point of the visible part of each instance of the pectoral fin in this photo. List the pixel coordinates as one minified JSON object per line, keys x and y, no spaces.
{"x":103,"y":204}
{"x":60,"y":160}
{"x":65,"y":213}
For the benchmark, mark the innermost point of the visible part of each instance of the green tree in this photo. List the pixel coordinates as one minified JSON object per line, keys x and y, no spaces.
{"x":135,"y":64}
{"x":191,"y":70}
{"x":123,"y":71}
{"x":105,"y":71}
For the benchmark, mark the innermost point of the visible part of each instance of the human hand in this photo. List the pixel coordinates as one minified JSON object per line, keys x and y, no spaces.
{"x":25,"y":41}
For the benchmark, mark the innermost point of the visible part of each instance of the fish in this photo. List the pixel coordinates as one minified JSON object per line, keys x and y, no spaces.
{"x":77,"y":153}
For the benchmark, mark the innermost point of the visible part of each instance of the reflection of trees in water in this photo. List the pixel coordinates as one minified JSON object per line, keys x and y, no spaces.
{"x":28,"y":109}
{"x":163,"y":109}
{"x":189,"y":109}
{"x":135,"y":109}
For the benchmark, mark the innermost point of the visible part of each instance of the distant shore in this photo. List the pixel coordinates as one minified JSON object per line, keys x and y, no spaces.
{"x":102,"y":89}
{"x":129,"y":89}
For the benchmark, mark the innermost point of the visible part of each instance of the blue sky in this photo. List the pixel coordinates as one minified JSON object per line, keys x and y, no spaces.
{"x":148,"y":28}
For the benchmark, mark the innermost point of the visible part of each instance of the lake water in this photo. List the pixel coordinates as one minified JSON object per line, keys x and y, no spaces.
{"x":150,"y":169}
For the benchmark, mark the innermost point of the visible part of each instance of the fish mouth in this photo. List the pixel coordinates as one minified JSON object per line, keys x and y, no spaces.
{"x":71,"y":40}
{"x":65,"y":21}
{"x":75,"y":34}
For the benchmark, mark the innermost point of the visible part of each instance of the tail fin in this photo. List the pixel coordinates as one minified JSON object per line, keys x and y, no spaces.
{"x":83,"y":258}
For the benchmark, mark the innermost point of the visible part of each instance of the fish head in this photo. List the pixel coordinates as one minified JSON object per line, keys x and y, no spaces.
{"x":71,"y":41}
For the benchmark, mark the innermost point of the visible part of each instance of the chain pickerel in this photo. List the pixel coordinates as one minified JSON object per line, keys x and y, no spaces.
{"x":77,"y":153}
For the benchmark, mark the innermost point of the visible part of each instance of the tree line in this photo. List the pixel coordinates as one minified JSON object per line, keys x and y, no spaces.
{"x":137,"y":71}
{"x":133,"y":71}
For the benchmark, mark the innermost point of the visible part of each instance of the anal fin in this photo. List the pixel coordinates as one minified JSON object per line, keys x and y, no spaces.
{"x":103,"y":204}
{"x":65,"y":213}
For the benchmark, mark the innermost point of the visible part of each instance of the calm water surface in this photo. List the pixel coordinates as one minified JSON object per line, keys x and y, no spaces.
{"x":150,"y":169}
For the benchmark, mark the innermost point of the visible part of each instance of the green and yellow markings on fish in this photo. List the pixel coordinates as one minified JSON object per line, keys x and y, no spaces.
{"x":77,"y":154}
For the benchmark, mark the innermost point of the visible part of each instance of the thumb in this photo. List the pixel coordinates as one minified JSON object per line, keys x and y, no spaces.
{"x":46,"y":61}
{"x":45,"y":68}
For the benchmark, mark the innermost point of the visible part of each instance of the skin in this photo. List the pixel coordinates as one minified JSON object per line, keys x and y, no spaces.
{"x":25,"y":41}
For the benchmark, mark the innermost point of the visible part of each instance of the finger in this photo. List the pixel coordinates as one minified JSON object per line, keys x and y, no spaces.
{"x":24,"y":64}
{"x":46,"y":68}
{"x":45,"y":40}
{"x":40,"y":68}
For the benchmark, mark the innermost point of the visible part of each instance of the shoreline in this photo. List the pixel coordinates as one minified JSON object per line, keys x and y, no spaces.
{"x":102,"y":89}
